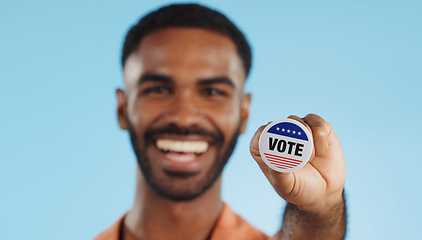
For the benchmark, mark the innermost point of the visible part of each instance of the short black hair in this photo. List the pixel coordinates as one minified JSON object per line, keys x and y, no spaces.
{"x":187,"y":15}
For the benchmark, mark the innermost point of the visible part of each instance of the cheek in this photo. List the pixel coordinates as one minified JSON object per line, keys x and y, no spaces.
{"x":226,"y":118}
{"x":141,"y":114}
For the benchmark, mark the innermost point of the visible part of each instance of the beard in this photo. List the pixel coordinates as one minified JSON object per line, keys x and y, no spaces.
{"x":190,"y":190}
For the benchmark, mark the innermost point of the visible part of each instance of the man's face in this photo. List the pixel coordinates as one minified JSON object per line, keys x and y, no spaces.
{"x":184,"y":107}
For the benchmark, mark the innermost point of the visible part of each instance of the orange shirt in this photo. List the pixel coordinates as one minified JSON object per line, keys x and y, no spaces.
{"x":229,"y":226}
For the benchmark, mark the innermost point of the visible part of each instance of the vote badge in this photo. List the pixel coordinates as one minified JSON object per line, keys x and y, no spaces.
{"x":285,"y":145}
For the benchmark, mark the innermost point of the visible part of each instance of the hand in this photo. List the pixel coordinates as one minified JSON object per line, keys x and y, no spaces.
{"x":318,"y":186}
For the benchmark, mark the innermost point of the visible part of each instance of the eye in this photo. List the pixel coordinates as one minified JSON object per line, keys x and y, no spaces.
{"x":156,"y":90}
{"x":213,"y":92}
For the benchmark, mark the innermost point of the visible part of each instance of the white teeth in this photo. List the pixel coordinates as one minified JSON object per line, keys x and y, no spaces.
{"x":182,"y":146}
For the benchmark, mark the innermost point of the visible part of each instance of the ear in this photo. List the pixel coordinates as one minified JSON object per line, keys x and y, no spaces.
{"x":121,"y":108}
{"x":246,"y":100}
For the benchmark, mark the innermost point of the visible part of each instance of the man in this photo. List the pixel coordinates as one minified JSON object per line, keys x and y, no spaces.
{"x":184,"y":106}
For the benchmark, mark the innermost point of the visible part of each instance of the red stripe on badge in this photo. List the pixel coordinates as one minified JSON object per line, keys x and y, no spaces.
{"x":281,"y":165}
{"x":284,"y":158}
{"x":282,"y":162}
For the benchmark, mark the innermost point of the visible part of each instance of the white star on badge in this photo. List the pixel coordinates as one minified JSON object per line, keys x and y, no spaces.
{"x":294,"y":132}
{"x":288,"y":130}
{"x":299,"y":133}
{"x":278,"y":129}
{"x":283,"y":130}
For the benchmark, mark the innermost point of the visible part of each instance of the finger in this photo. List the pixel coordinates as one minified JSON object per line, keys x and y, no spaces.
{"x":254,"y":146}
{"x":294,"y":117}
{"x":254,"y":149}
{"x":282,"y":182}
{"x":320,"y":132}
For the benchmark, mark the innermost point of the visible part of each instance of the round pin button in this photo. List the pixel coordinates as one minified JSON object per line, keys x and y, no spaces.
{"x":285,"y":145}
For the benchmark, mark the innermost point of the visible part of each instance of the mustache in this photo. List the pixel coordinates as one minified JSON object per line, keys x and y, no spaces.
{"x":216,"y":136}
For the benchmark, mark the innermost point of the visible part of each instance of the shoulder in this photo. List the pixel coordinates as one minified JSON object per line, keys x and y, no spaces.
{"x":232,"y":226}
{"x":112,"y":233}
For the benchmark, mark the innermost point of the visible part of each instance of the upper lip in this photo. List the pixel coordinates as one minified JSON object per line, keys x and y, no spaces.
{"x":179,"y":137}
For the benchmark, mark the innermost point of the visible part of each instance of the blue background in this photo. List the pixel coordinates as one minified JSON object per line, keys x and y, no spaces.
{"x":68,"y":172}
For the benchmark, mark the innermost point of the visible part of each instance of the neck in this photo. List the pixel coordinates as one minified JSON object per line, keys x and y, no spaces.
{"x":153,"y":217}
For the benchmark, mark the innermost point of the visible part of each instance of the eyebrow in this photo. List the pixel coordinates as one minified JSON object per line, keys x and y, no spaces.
{"x":216,"y":80}
{"x":152,"y":77}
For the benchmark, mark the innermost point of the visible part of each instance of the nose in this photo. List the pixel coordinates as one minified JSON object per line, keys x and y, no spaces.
{"x":183,"y":111}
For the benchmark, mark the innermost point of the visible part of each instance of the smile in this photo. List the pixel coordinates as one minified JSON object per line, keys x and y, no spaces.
{"x":182,"y":151}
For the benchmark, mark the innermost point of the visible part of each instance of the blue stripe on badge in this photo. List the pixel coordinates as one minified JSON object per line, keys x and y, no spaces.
{"x":289,"y":130}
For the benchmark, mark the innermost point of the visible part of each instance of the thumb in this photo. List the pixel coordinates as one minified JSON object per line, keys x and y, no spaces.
{"x":281,"y":182}
{"x":254,"y":149}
